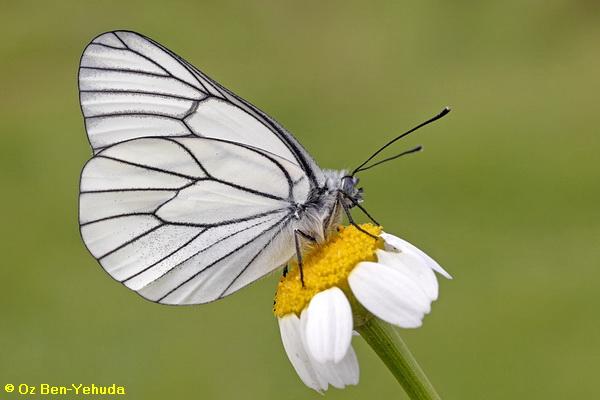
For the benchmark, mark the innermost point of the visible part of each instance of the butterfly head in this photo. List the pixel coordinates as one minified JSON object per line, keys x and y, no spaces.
{"x":340,"y":182}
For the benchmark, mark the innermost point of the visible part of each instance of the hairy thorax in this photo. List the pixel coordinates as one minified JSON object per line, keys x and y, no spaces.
{"x":323,"y":210}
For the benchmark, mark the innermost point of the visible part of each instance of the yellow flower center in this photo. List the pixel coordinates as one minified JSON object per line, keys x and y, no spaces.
{"x":325,"y":266}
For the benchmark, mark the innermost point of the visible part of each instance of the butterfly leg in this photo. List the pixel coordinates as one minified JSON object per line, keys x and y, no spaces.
{"x":361,"y":208}
{"x":350,"y":219}
{"x":298,"y":234}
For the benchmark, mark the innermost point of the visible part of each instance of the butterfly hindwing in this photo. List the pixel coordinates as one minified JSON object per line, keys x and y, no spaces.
{"x":188,"y":220}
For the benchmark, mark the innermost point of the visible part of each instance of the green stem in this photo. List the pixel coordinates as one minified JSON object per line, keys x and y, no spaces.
{"x":389,"y":346}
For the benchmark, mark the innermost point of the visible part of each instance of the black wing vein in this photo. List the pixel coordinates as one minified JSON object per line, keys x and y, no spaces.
{"x":222,"y":258}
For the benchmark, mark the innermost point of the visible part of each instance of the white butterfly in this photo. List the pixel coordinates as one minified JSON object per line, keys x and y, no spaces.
{"x":192,"y":193}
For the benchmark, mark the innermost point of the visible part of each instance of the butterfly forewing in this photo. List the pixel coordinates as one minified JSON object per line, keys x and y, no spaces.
{"x":132,"y":87}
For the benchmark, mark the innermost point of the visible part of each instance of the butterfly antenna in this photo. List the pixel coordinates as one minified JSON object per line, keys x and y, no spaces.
{"x":445,"y":111}
{"x":404,"y":153}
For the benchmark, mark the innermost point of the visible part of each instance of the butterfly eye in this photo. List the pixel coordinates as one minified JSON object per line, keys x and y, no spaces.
{"x":348,"y":183}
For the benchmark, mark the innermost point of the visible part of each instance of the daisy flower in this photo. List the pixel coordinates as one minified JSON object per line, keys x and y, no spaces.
{"x":347,"y":281}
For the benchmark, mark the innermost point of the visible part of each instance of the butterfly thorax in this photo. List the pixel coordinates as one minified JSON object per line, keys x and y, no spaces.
{"x":322,"y":212}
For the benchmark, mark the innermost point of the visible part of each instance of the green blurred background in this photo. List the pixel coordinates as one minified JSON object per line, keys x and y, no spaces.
{"x":506,"y":195}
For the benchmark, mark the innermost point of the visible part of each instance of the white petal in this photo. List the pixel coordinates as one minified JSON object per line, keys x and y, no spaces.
{"x":315,"y":375}
{"x":328,"y":329}
{"x":389,"y":294}
{"x":414,"y":267}
{"x":291,"y":336}
{"x":340,"y":374}
{"x":402,"y":245}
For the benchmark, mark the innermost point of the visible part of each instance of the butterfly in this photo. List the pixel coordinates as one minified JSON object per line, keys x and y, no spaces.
{"x":192,"y":192}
